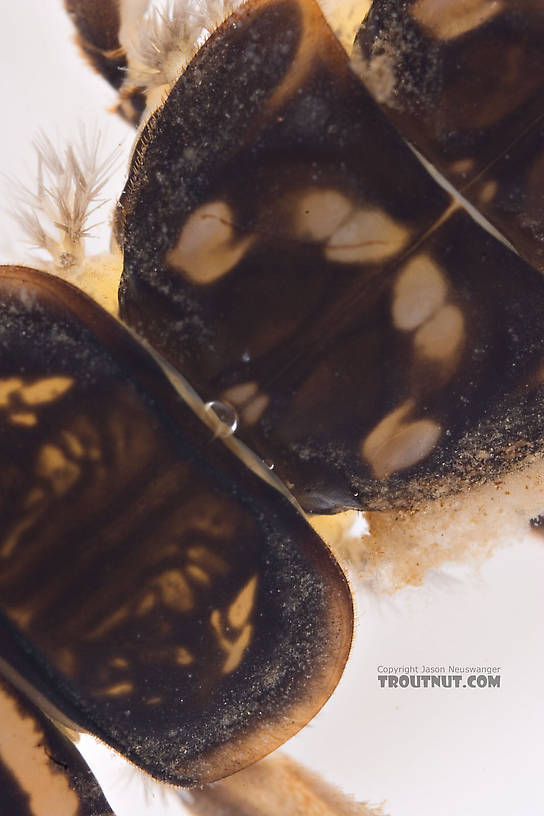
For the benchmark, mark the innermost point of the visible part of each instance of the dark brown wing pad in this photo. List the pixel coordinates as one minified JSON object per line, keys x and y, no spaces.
{"x":287,"y":252}
{"x":466,"y":86}
{"x":153,"y":590}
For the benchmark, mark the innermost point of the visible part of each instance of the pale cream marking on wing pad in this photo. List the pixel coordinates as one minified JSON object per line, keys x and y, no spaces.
{"x":145,"y":605}
{"x":320,"y":213}
{"x":441,"y":336}
{"x":53,"y":465}
{"x":108,"y":623}
{"x":35,"y":393}
{"x":397,"y":443}
{"x":8,"y":387}
{"x":367,"y":236}
{"x":420,"y":290}
{"x":46,"y":390}
{"x":174,"y":591}
{"x":352,"y":234}
{"x":26,"y":419}
{"x":75,"y":446}
{"x":60,"y":473}
{"x":15,"y":396}
{"x":488,"y":192}
{"x":198,"y":574}
{"x":205,"y":557}
{"x":208,"y":246}
{"x":240,"y":608}
{"x":247,"y":399}
{"x":117,"y":690}
{"x":447,"y":19}
{"x":21,"y":749}
{"x":462,"y":167}
{"x":238,"y":615}
{"x":183,"y":656}
{"x":119,"y":663}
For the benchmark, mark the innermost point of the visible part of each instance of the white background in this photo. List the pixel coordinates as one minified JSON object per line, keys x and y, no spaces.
{"x":432,"y":752}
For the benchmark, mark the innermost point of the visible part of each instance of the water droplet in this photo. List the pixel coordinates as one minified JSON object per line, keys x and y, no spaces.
{"x":246,"y":357}
{"x":227,"y":416}
{"x":269,"y":464}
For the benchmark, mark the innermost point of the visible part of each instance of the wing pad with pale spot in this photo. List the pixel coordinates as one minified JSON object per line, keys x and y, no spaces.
{"x":153,"y":590}
{"x":287,"y":252}
{"x":464,"y":82}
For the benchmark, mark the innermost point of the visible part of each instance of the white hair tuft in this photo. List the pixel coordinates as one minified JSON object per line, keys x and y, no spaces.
{"x":55,"y":216}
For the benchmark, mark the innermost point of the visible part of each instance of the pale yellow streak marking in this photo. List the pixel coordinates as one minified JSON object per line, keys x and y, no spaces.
{"x":198,"y":574}
{"x":234,"y":648}
{"x":26,"y":419}
{"x":207,"y":247}
{"x":21,"y":750}
{"x":419,"y":291}
{"x":207,"y":558}
{"x":119,"y":663}
{"x":441,"y":337}
{"x":32,"y":502}
{"x":53,"y":465}
{"x":396,"y":444}
{"x":255,"y":409}
{"x":46,"y":390}
{"x":183,"y":656}
{"x":447,"y":19}
{"x":74,"y":444}
{"x":14,"y":536}
{"x":109,"y":623}
{"x":237,"y":649}
{"x":488,"y":192}
{"x":7,"y":388}
{"x":145,"y":605}
{"x":117,"y":690}
{"x":242,"y":606}
{"x":175,"y":591}
{"x":368,"y":236}
{"x":462,"y":166}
